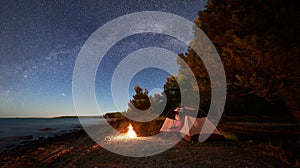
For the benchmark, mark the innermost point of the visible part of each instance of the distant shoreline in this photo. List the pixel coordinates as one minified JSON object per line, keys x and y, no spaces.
{"x":79,"y":117}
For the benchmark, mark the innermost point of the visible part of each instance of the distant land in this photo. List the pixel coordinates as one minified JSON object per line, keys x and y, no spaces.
{"x":79,"y":117}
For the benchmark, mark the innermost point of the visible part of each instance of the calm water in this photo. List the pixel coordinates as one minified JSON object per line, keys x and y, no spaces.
{"x":17,"y":130}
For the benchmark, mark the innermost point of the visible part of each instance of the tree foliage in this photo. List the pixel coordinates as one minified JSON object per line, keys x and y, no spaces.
{"x":140,"y":100}
{"x":192,"y":60}
{"x":258,"y":43}
{"x":172,"y":94}
{"x":146,"y":107}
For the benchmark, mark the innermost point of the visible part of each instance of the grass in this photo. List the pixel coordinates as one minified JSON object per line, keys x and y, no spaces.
{"x":229,"y":136}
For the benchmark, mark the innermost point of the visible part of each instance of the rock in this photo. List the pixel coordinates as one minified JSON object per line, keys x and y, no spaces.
{"x":28,"y":137}
{"x":46,"y":129}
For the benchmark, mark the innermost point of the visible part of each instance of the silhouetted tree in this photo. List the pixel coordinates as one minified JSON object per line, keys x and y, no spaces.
{"x":140,"y":99}
{"x":157,"y":103}
{"x":172,"y":93}
{"x":258,"y":42}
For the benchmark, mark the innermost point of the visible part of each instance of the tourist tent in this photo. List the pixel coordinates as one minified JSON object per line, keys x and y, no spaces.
{"x":194,"y":126}
{"x":171,"y":125}
{"x":190,"y":126}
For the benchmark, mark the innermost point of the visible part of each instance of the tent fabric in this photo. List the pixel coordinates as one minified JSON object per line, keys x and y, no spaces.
{"x":193,"y":126}
{"x":171,"y":125}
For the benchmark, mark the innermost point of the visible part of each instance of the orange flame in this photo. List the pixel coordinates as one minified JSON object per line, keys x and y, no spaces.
{"x":131,"y":133}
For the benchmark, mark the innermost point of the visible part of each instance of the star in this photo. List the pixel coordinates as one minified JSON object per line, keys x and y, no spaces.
{"x":41,"y":41}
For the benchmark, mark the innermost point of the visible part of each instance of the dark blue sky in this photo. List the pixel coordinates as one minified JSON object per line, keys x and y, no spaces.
{"x":40,"y":41}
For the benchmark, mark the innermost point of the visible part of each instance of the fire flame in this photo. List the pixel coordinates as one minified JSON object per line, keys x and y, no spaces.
{"x":131,"y":133}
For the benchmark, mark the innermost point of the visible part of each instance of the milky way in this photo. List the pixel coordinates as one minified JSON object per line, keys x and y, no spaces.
{"x":40,"y":42}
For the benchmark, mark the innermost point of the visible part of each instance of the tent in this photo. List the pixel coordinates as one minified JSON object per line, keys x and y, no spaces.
{"x":191,"y":127}
{"x":173,"y":122}
{"x":199,"y":128}
{"x":171,"y":125}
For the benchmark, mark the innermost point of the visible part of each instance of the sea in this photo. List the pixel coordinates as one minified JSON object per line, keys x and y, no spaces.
{"x":18,"y":131}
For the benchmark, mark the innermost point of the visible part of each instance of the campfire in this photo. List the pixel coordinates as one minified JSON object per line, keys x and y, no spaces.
{"x":131,"y":133}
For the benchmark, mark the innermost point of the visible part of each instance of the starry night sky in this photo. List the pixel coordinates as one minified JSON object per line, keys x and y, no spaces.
{"x":40,"y":41}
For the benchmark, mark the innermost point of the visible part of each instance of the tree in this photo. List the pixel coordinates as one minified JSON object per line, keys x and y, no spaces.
{"x":193,"y":61}
{"x":140,"y":100}
{"x":258,"y":43}
{"x":145,"y":108}
{"x":172,"y":93}
{"x":158,"y":104}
